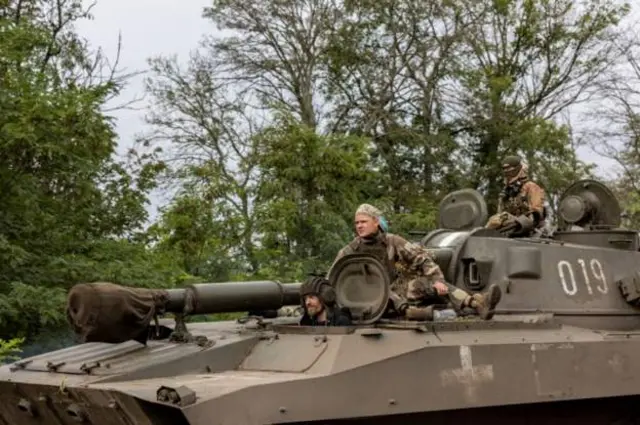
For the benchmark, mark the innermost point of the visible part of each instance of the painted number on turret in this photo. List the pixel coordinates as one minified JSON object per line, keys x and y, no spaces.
{"x":591,"y":276}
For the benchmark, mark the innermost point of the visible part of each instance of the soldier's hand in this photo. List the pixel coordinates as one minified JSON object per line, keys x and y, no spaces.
{"x":494,"y":222}
{"x":497,"y":221}
{"x":441,"y":288}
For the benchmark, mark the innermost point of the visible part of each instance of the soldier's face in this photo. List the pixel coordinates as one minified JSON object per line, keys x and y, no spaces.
{"x":365,"y":225}
{"x":509,"y":172}
{"x":313,"y":304}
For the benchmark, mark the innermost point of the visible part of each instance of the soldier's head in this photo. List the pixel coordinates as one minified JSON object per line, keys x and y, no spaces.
{"x":368,"y":219}
{"x":511,"y":167}
{"x":315,"y":294}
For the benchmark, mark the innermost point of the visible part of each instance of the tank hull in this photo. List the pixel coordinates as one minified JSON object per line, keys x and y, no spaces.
{"x":291,"y":374}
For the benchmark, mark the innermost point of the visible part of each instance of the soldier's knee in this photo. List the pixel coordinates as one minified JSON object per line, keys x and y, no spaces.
{"x":459,"y":294}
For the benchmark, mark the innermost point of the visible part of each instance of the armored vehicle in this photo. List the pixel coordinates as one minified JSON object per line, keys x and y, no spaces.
{"x":560,"y":349}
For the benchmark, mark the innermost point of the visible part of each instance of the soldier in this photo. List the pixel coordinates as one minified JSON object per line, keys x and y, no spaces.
{"x":521,"y":205}
{"x":413,"y":272}
{"x":319,"y":304}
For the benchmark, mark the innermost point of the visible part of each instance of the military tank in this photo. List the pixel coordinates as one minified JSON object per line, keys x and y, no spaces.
{"x":560,"y":349}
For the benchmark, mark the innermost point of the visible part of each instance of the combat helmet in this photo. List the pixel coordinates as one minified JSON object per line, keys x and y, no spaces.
{"x":320,"y":287}
{"x":511,"y":166}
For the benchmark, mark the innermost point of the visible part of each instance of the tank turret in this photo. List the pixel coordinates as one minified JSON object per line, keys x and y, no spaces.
{"x":585,"y":273}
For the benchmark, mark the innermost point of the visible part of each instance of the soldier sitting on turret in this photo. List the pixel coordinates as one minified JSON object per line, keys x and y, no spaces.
{"x":413,"y":272}
{"x":521,"y":205}
{"x":319,"y":304}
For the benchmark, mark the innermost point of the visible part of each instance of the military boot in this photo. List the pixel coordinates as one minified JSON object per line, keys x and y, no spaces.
{"x":485,"y":303}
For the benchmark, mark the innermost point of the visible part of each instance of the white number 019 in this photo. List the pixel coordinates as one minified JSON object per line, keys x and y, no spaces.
{"x":568,"y":277}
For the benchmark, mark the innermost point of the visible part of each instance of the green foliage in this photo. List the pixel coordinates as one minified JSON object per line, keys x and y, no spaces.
{"x":67,"y":204}
{"x":62,"y":189}
{"x":200,"y":244}
{"x":422,"y":218}
{"x":27,"y":309}
{"x":310,"y":186}
{"x":9,"y":349}
{"x":549,"y":55}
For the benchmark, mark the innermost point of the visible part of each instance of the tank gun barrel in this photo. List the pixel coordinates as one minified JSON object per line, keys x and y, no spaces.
{"x":228,"y":297}
{"x":107,"y":312}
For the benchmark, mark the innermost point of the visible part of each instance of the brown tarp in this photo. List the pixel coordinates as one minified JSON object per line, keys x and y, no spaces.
{"x":106,"y":312}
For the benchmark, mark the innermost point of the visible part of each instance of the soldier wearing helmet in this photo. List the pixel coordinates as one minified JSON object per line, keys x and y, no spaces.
{"x":414,"y":274}
{"x":521,"y":205}
{"x":319,"y":304}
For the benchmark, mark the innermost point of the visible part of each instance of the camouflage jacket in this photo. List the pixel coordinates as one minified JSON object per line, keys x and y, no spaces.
{"x":404,"y":260}
{"x":525,"y":197}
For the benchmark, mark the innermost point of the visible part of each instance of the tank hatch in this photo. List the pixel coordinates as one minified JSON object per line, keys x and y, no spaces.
{"x":588,"y":203}
{"x":462,"y":209}
{"x":362,"y":285}
{"x":589,"y":214}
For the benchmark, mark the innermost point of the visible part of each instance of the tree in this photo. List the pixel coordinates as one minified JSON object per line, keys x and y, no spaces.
{"x":276,"y":52}
{"x":614,"y":127}
{"x":310,"y":186}
{"x":201,"y":134}
{"x":388,"y":66}
{"x":456,"y":85}
{"x":524,"y":60}
{"x":65,"y":198}
{"x":204,"y":245}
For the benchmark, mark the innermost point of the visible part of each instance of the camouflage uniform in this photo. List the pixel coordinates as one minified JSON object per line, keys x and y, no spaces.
{"x":520,"y":198}
{"x":411,"y":267}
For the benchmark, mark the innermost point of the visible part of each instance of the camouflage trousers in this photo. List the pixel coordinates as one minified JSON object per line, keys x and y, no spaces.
{"x":421,"y":290}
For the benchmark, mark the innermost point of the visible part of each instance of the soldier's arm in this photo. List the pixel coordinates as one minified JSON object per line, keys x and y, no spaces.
{"x":418,"y":259}
{"x":535,"y":196}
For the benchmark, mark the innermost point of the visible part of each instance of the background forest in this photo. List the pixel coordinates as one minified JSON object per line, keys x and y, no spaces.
{"x":275,"y":130}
